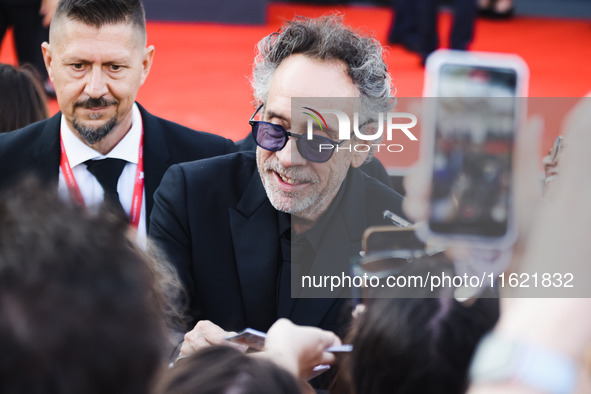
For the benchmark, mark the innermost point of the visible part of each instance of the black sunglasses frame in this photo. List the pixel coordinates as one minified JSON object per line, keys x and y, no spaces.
{"x":298,"y":138}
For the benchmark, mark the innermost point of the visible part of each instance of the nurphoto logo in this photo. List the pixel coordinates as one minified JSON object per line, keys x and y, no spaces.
{"x":391,"y":122}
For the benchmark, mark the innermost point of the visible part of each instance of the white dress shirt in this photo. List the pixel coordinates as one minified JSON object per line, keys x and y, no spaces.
{"x":127,"y":149}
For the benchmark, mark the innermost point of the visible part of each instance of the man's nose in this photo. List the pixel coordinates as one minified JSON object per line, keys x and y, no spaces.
{"x":96,"y":85}
{"x":290,"y":155}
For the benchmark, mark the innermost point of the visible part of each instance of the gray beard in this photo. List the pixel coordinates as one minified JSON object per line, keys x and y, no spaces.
{"x":93,"y":135}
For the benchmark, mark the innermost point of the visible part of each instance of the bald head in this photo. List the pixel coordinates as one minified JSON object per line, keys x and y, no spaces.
{"x":97,"y":59}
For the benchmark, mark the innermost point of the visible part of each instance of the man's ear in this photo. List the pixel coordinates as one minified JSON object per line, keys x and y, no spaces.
{"x":363,"y":147}
{"x":147,"y":62}
{"x":47,"y":58}
{"x":361,"y":150}
{"x":359,"y":157}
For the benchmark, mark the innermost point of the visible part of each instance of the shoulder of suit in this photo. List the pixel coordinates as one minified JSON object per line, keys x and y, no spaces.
{"x":173,"y":129}
{"x":373,"y":185}
{"x":229,"y":174}
{"x":240,"y":162}
{"x":25,"y":135}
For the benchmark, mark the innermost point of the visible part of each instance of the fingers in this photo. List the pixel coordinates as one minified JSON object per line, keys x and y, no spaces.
{"x":284,"y":332}
{"x":327,"y":358}
{"x":325,"y":339}
{"x":203,"y":335}
{"x":279,"y":326}
{"x":299,"y":349}
{"x":314,"y":354}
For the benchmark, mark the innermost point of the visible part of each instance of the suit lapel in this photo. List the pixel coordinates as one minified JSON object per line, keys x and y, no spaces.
{"x":156,"y":158}
{"x":255,"y":237}
{"x":47,"y":151}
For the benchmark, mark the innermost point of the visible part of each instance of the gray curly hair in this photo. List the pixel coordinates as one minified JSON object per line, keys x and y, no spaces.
{"x":326,"y":38}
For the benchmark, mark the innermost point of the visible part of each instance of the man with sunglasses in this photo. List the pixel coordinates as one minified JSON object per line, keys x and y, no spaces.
{"x":240,"y":227}
{"x":373,"y":167}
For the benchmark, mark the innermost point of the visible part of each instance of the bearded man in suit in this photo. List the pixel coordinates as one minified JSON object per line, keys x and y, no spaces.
{"x":102,"y":145}
{"x":242,"y":228}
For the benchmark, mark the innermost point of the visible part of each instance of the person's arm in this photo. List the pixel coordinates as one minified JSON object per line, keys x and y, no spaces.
{"x":206,"y":334}
{"x":559,"y":329}
{"x":169,"y":232}
{"x":169,"y":226}
{"x":299,"y":349}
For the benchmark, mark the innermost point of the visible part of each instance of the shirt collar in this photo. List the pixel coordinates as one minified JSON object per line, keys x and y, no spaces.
{"x":127,"y":149}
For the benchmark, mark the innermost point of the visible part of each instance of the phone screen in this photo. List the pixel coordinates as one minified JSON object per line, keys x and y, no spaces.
{"x":475,"y":123}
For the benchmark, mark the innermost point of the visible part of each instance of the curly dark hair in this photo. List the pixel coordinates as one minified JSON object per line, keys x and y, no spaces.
{"x":326,"y":38}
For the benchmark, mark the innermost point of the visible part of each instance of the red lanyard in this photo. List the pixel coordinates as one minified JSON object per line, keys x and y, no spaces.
{"x":138,"y":188}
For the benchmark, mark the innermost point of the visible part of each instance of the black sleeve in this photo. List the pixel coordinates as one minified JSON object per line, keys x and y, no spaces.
{"x":169,"y":228}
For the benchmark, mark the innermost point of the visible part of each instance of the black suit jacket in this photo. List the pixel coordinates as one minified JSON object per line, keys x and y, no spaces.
{"x":35,"y":149}
{"x":214,"y":221}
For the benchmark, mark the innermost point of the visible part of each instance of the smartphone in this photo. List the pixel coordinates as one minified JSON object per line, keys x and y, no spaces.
{"x":474,"y":104}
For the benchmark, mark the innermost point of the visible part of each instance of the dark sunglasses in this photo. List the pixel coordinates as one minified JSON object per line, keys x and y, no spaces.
{"x":273,"y":137}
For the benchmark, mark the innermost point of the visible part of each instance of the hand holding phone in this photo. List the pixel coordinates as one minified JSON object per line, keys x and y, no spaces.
{"x":474,"y":109}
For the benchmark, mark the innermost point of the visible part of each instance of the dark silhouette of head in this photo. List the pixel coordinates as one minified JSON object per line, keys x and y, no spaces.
{"x":222,"y":369}
{"x":23,"y":100}
{"x":417,"y":345}
{"x":80,"y":310}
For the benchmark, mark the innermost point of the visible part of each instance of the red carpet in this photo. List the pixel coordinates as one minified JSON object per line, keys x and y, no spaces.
{"x":200,"y":73}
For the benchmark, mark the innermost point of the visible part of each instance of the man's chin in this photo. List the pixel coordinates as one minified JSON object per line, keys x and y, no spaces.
{"x":281,"y":204}
{"x":291,"y":206}
{"x":91,"y":132}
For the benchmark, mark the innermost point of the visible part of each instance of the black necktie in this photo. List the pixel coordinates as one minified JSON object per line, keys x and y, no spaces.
{"x":107,"y":172}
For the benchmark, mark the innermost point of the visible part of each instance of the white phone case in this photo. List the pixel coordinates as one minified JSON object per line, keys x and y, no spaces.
{"x":434,"y":64}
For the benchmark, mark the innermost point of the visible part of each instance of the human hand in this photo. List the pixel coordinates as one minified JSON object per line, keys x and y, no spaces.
{"x":527,"y":195}
{"x":560,"y":233}
{"x":299,"y":349}
{"x":205,"y":334}
{"x":47,"y":10}
{"x":559,"y":242}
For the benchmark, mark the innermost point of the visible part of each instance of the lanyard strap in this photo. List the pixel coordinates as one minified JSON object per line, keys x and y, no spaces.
{"x":138,"y":188}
